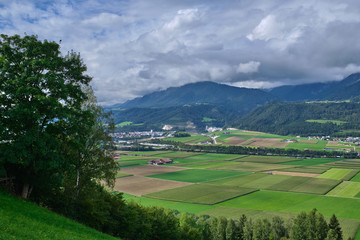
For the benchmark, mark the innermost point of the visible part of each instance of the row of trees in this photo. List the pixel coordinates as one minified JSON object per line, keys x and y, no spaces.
{"x":254,"y":151}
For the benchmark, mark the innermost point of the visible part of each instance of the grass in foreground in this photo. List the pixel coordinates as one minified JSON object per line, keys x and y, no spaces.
{"x":23,"y":221}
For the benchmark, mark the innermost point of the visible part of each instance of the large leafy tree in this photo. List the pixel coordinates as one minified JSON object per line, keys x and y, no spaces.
{"x":41,"y":104}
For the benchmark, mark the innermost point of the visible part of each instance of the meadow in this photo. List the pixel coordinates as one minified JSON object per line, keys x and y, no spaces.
{"x":259,"y":186}
{"x":196,"y":175}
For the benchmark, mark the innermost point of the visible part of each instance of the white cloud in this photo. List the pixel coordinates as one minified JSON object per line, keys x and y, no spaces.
{"x":133,"y":47}
{"x":249,"y":67}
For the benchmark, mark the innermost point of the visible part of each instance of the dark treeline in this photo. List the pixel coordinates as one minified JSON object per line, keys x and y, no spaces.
{"x":254,"y":151}
{"x":110,"y":214}
{"x":289,"y":118}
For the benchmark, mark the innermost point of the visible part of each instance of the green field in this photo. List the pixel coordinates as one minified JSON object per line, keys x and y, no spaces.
{"x":179,"y":206}
{"x":196,"y":175}
{"x":356,"y":178}
{"x":320,"y":145}
{"x":123,"y":124}
{"x":266,"y":159}
{"x":239,"y":166}
{"x":296,"y":202}
{"x":306,"y":169}
{"x":177,"y":154}
{"x":147,"y":153}
{"x":346,"y":189}
{"x":337,"y":122}
{"x":22,"y":220}
{"x":336,"y":173}
{"x":312,"y":161}
{"x":121,"y":175}
{"x":201,"y":193}
{"x":280,"y":183}
{"x":215,"y":157}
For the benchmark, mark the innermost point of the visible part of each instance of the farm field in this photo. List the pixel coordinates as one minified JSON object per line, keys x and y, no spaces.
{"x":196,"y":175}
{"x":266,"y":159}
{"x":356,"y":178}
{"x":150,"y":170}
{"x":259,"y":186}
{"x":297,"y":202}
{"x":337,"y":174}
{"x":201,"y":193}
{"x":280,"y":183}
{"x":215,"y":157}
{"x":311,"y":162}
{"x":320,"y":145}
{"x":177,"y":154}
{"x":306,"y":169}
{"x":138,"y":185}
{"x":346,"y":189}
{"x":239,"y":166}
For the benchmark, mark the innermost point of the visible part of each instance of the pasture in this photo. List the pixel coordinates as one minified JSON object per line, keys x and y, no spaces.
{"x":307,"y":169}
{"x":337,"y":174}
{"x":297,"y":202}
{"x":280,"y":183}
{"x":138,"y":185}
{"x":150,"y":170}
{"x":201,"y":193}
{"x":239,"y":166}
{"x":346,"y":189}
{"x":229,"y":184}
{"x":356,"y":178}
{"x":196,"y":175}
{"x":312,"y":161}
{"x":320,"y":145}
{"x":215,"y":157}
{"x":266,"y":159}
{"x":177,"y":154}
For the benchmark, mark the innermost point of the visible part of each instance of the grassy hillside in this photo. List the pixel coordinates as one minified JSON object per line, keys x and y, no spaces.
{"x":24,"y":220}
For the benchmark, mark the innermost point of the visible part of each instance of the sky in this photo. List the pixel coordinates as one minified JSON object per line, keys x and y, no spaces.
{"x":135,"y":47}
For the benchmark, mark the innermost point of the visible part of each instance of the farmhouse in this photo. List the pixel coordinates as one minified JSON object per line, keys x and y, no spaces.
{"x":160,"y":161}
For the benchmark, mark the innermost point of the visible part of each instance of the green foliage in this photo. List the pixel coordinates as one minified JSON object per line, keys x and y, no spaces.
{"x":41,"y":95}
{"x":182,"y":134}
{"x":291,"y":118}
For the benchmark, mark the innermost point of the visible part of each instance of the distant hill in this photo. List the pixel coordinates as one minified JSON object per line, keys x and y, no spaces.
{"x":346,"y":89}
{"x":293,"y":118}
{"x":202,"y":104}
{"x":238,"y":99}
{"x":200,"y":115}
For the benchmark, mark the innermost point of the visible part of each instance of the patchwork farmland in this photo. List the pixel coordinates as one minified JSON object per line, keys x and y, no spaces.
{"x":230,"y":185}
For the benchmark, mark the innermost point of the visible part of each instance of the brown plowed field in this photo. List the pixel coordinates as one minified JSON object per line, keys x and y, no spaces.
{"x":267,"y":142}
{"x":300,"y":174}
{"x":235,"y":140}
{"x":139,"y":185}
{"x":147,"y":170}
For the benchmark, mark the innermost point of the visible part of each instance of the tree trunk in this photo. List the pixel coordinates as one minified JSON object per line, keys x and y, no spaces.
{"x":77,"y":184}
{"x":25,"y":191}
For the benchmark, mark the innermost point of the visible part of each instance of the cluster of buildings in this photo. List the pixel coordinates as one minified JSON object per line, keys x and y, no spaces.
{"x":138,"y":134}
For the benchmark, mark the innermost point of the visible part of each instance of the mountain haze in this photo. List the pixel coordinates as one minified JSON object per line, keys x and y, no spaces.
{"x":241,"y":100}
